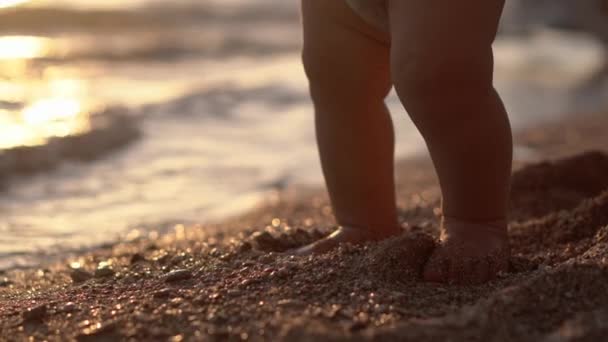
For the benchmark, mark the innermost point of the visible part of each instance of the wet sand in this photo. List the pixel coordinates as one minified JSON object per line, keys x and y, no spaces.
{"x":230,"y":281}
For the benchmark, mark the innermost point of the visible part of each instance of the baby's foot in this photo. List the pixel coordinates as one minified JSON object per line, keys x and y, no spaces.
{"x":469,"y":253}
{"x":352,"y":235}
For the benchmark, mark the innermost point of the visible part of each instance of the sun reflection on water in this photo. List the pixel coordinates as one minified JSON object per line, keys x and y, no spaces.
{"x":44,"y":119}
{"x":23,"y":47}
{"x":46,"y":108}
{"x":56,"y":117}
{"x":10,"y":3}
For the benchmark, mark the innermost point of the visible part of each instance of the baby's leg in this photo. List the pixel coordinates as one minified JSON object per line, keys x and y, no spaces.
{"x":442,"y":68}
{"x":347,"y":64}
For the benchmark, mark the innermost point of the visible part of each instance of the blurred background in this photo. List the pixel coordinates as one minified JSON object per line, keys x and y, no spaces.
{"x":121,"y":117}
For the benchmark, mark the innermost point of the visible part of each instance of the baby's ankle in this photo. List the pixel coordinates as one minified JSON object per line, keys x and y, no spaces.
{"x":373,"y":229}
{"x":497,"y":228}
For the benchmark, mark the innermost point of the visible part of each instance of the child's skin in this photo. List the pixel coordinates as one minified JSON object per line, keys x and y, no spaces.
{"x":438,"y":56}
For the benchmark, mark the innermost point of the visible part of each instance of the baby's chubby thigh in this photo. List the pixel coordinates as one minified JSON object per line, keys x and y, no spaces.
{"x":343,"y":56}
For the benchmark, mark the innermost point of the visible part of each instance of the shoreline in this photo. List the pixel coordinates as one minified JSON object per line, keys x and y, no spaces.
{"x":229,"y":281}
{"x":416,"y":167}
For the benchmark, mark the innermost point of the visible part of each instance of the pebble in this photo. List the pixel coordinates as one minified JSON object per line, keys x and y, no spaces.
{"x":135,"y":258}
{"x":244,"y":247}
{"x":163,"y":293}
{"x":151,"y":247}
{"x":178,"y":259}
{"x":178,"y":275}
{"x":247,"y":282}
{"x":35,"y":313}
{"x":177,"y":301}
{"x":162,"y":258}
{"x":200,"y":300}
{"x":357,"y":325}
{"x":79,"y":275}
{"x":104,"y":271}
{"x":292,"y":303}
{"x":264,"y":241}
{"x":4,"y":282}
{"x":69,"y":307}
{"x":267,"y":258}
{"x":300,"y":237}
{"x":361,"y":322}
{"x":98,"y":332}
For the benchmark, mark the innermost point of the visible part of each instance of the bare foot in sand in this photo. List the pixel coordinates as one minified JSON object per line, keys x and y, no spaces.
{"x":342,"y":235}
{"x":469,"y":253}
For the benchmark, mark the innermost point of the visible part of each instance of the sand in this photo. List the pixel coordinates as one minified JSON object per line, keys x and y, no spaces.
{"x":231,"y":281}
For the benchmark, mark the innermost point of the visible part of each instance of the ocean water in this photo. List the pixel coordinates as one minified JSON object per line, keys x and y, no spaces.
{"x":219,"y":96}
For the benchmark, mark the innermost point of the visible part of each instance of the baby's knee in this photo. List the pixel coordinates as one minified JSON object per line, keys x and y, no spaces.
{"x":317,"y":71}
{"x":430,"y":77}
{"x":339,"y":81}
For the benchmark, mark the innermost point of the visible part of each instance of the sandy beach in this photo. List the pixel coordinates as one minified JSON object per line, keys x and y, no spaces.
{"x":231,"y":281}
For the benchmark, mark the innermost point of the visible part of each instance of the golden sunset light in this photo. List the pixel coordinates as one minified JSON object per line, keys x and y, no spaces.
{"x":11,"y":3}
{"x":309,"y":170}
{"x":42,"y":120}
{"x":22,"y":47}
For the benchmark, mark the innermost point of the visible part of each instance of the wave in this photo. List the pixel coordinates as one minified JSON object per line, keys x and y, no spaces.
{"x":524,"y":16}
{"x":110,"y":129}
{"x":58,"y":20}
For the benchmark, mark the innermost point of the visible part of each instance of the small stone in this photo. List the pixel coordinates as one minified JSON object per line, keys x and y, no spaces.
{"x":36,"y":313}
{"x":291,"y":303}
{"x":264,"y":241}
{"x":177,"y":301}
{"x":200,"y":300}
{"x":357,"y":325}
{"x":163,"y":258}
{"x":69,"y":307}
{"x":361,"y":322}
{"x":135,"y":258}
{"x":177,"y":338}
{"x":164,"y":293}
{"x":4,"y":282}
{"x":244,"y":247}
{"x":246,"y":282}
{"x":104,"y":270}
{"x":98,"y":332}
{"x":151,"y":247}
{"x":78,"y":275}
{"x":178,"y":259}
{"x":301,"y":237}
{"x":178,"y":275}
{"x":380,"y":308}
